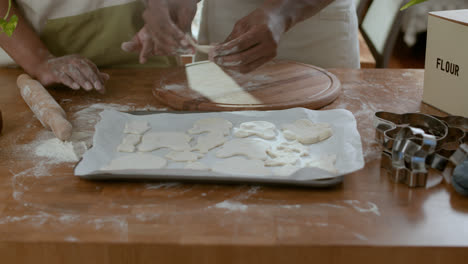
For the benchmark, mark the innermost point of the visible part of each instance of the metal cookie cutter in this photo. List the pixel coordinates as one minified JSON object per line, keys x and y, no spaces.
{"x":418,"y":146}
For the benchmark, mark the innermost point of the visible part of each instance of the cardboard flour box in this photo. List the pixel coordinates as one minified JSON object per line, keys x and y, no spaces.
{"x":446,"y":73}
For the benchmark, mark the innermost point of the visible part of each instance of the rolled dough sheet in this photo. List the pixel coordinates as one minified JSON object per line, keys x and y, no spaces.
{"x":138,"y":127}
{"x":262,"y":129}
{"x":251,"y":148}
{"x":241,"y":166}
{"x":183,"y":156}
{"x":213,"y":124}
{"x":307,"y":132}
{"x":209,"y":80}
{"x":209,"y":141}
{"x":129,"y":142}
{"x":173,"y":140}
{"x":136,"y":161}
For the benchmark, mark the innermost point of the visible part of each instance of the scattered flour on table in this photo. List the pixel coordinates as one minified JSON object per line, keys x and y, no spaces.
{"x":58,"y":151}
{"x":368,"y":208}
{"x":232,"y":206}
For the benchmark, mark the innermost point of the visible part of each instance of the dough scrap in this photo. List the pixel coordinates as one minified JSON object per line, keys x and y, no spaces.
{"x":138,"y":127}
{"x":326,"y":162}
{"x":241,"y":166}
{"x":209,"y":141}
{"x":262,"y":129}
{"x":183,"y":156}
{"x":249,"y":147}
{"x":129,"y":142}
{"x":284,"y":171}
{"x":173,"y":140}
{"x":197,"y":166}
{"x":137,"y":161}
{"x":213,"y":124}
{"x":293,"y":147}
{"x":307,"y":132}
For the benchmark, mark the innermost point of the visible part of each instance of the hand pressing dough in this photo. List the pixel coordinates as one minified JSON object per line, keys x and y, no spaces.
{"x":326,"y":162}
{"x":250,"y":147}
{"x":240,"y":166}
{"x":213,"y":124}
{"x":262,"y":129}
{"x":197,"y":166}
{"x":307,"y":132}
{"x":183,"y":156}
{"x":209,"y":141}
{"x":138,"y":127}
{"x":173,"y":140}
{"x":284,"y":171}
{"x":136,"y":161}
{"x":129,"y":142}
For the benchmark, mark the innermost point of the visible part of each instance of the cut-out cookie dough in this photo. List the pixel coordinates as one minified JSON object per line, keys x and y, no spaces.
{"x":262,"y":129}
{"x":128,"y":143}
{"x":209,"y":141}
{"x":173,"y":140}
{"x":136,"y":161}
{"x":285,"y":171}
{"x":291,"y":147}
{"x":183,"y":156}
{"x":137,"y":127}
{"x":197,"y":166}
{"x":307,"y":132}
{"x":249,"y":147}
{"x":326,"y":162}
{"x":213,"y":124}
{"x":241,"y":166}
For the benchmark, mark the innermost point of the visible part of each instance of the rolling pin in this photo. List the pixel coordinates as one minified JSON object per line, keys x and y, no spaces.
{"x":46,"y":109}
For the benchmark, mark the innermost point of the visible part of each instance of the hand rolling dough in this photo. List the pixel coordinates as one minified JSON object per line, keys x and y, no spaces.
{"x":252,"y":148}
{"x":136,"y":161}
{"x":173,"y":140}
{"x":307,"y":132}
{"x":262,"y":129}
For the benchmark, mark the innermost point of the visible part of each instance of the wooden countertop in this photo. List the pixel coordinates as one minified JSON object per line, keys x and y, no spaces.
{"x":47,"y":215}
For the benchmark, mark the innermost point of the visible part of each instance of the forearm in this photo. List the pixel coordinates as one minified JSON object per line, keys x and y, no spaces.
{"x":25,"y":46}
{"x":291,"y":12}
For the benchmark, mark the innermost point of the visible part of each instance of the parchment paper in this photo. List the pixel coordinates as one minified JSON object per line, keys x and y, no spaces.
{"x":345,"y":143}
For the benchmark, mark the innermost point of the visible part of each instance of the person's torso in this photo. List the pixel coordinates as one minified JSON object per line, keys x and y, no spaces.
{"x":328,"y":39}
{"x":94,"y":29}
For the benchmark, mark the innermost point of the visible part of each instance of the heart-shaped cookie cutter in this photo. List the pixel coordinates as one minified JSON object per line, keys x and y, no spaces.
{"x":417,"y":146}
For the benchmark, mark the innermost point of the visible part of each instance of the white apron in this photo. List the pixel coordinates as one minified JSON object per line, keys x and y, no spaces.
{"x":328,"y":39}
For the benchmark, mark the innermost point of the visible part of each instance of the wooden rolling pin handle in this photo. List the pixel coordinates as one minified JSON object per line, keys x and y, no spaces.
{"x":46,"y":109}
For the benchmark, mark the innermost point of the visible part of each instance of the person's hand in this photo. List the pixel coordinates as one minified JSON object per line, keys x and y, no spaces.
{"x":252,"y":42}
{"x":142,"y":43}
{"x":73,"y":71}
{"x":167,"y":23}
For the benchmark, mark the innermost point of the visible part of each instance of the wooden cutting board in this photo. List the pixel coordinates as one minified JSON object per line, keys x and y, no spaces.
{"x":277,"y":85}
